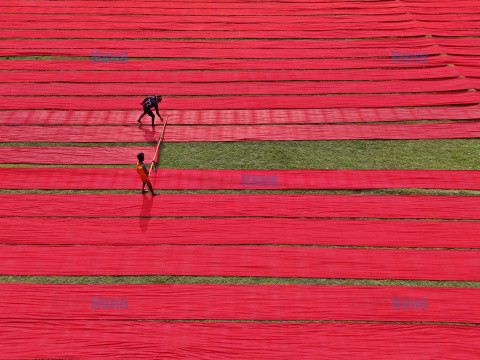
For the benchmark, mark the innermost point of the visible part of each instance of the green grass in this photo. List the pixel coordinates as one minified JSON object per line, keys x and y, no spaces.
{"x":238,"y":280}
{"x":445,"y":154}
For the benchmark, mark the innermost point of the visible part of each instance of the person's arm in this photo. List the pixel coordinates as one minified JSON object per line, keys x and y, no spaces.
{"x":160,"y":116}
{"x":145,"y":169}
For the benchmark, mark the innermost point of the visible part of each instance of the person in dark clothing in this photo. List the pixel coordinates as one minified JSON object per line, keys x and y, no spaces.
{"x":147,"y":104}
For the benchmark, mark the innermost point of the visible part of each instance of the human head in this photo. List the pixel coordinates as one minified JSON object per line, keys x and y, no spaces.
{"x":159,"y":98}
{"x":141,"y":157}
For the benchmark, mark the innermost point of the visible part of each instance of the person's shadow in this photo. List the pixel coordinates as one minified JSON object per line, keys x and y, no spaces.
{"x":145,"y":212}
{"x":149,"y":133}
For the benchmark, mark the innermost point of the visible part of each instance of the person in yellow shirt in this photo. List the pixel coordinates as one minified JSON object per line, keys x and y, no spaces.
{"x":143,"y":173}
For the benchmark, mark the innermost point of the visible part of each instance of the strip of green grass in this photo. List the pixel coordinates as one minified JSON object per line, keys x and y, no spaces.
{"x":249,"y":280}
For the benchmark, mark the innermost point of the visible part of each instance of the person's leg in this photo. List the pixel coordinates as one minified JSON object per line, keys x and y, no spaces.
{"x":140,"y":118}
{"x":143,"y":188}
{"x":149,"y":184}
{"x":149,"y":112}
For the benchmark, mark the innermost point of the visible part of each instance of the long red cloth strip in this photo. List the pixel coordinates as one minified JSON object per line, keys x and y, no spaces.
{"x":54,"y":155}
{"x":206,"y":9}
{"x":468,"y":71}
{"x":399,"y":19}
{"x":232,"y":53}
{"x":225,"y":64}
{"x":225,"y":34}
{"x":239,"y":302}
{"x":360,"y":23}
{"x":219,"y":117}
{"x":266,"y":10}
{"x":237,"y":88}
{"x":464,"y":60}
{"x":244,"y":102}
{"x":103,"y":339}
{"x":150,"y":231}
{"x":230,"y":76}
{"x":182,"y":179}
{"x":241,"y":205}
{"x":98,"y":7}
{"x":219,"y":260}
{"x":188,"y":45}
{"x":451,"y":130}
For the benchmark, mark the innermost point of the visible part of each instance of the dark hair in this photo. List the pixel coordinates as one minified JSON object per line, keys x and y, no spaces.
{"x":159,"y":98}
{"x":141,"y":157}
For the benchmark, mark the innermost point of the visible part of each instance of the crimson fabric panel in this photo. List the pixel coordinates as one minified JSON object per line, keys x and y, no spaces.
{"x":220,"y":260}
{"x":221,"y":64}
{"x":92,"y":44}
{"x":219,"y":117}
{"x":220,"y":9}
{"x":54,"y":155}
{"x":361,"y":23}
{"x":458,"y":42}
{"x":230,"y":76}
{"x":241,"y":205}
{"x":239,"y":302}
{"x":179,"y":179}
{"x":223,"y":34}
{"x":194,"y":340}
{"x":237,"y":88}
{"x":468,"y":71}
{"x":214,"y":3}
{"x":464,"y":60}
{"x":475,"y":82}
{"x":244,"y":102}
{"x":234,"y":10}
{"x":158,"y":17}
{"x":450,"y":130}
{"x":115,"y":54}
{"x":149,"y":231}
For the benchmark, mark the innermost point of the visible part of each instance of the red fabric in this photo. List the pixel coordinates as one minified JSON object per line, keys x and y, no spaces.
{"x":237,"y":88}
{"x":158,"y":17}
{"x":459,"y":42}
{"x":349,"y":19}
{"x":150,"y":231}
{"x":238,"y":302}
{"x":221,"y":64}
{"x":240,"y":205}
{"x":159,"y":77}
{"x":380,"y":22}
{"x":219,"y":117}
{"x":353,"y":22}
{"x":85,"y":155}
{"x":253,"y":53}
{"x":224,"y":34}
{"x":207,"y":7}
{"x":475,"y":82}
{"x":245,"y":102}
{"x":347,"y":22}
{"x":182,"y":179}
{"x":450,"y":130}
{"x":103,"y":339}
{"x":468,"y":71}
{"x":218,"y":260}
{"x":267,"y":9}
{"x":188,"y":45}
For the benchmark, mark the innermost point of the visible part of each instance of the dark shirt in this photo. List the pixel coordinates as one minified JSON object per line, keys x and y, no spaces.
{"x":150,"y":102}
